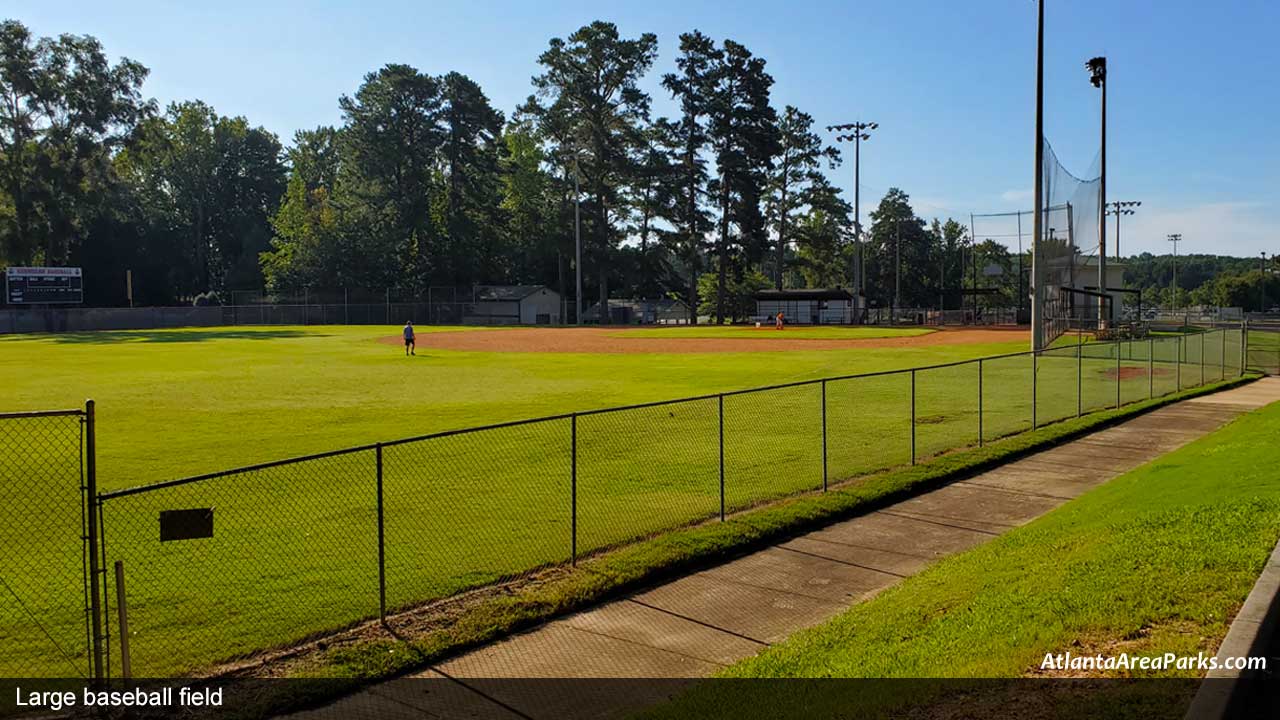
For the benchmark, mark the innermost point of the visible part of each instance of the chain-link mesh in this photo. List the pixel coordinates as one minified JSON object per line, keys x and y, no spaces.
{"x":946,"y":409}
{"x":474,"y":508}
{"x":868,"y":424}
{"x":1134,"y":383}
{"x":1006,"y":402}
{"x":1058,"y":375}
{"x":1264,"y":349}
{"x":293,"y":552}
{"x":1099,"y":375}
{"x":772,"y":444}
{"x":43,"y":631}
{"x":645,"y":470}
{"x":1167,"y":365}
{"x":1231,"y":352}
{"x":1189,"y":372}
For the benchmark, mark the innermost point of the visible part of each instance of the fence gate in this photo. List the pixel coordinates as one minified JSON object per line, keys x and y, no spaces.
{"x":49,"y":624}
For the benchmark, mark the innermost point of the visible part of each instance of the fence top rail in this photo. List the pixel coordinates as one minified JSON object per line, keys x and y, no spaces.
{"x":40,"y":414}
{"x":233,"y":471}
{"x":134,"y":490}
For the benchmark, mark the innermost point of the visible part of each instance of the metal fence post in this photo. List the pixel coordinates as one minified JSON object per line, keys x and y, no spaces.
{"x":1202,"y":358}
{"x":1117,"y":375}
{"x":1034,"y":370}
{"x":382,"y":553}
{"x":122,"y":607}
{"x":913,"y":416}
{"x":824,"y":435}
{"x":721,"y":445}
{"x":1151,"y":368}
{"x":980,"y":402}
{"x":1178,"y":364}
{"x":1079,"y":380}
{"x":91,"y":513}
{"x":1222,"y":355}
{"x":1244,"y":345}
{"x":573,"y":489}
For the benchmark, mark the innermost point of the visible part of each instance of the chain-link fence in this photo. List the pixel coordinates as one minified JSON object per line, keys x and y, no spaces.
{"x":218,"y":567}
{"x":1264,"y":347}
{"x":45,"y":624}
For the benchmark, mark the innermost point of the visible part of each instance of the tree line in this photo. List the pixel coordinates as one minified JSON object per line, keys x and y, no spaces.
{"x":424,"y":183}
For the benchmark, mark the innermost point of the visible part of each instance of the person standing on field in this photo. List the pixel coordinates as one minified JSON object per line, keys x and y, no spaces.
{"x":779,"y":319}
{"x":408,"y":339}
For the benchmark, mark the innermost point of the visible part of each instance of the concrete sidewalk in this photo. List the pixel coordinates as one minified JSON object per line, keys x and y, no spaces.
{"x":692,"y":626}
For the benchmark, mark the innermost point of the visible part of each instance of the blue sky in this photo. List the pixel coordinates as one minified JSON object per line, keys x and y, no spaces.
{"x":1193,"y":95}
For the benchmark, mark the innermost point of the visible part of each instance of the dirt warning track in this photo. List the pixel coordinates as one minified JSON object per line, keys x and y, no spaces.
{"x":609,"y":340}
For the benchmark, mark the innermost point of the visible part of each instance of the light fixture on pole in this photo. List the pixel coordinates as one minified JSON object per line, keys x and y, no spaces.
{"x":1118,"y":208}
{"x":860,"y":131}
{"x":1097,"y":68}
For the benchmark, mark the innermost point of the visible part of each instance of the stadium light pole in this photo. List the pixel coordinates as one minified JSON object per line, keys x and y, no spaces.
{"x":860,"y":131}
{"x":897,"y":264}
{"x":577,"y":247}
{"x":1118,"y":208}
{"x":1037,"y":287}
{"x":1174,"y":238}
{"x":1097,"y":68}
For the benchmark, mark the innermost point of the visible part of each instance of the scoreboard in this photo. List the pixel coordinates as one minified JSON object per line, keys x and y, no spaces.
{"x":43,"y":285}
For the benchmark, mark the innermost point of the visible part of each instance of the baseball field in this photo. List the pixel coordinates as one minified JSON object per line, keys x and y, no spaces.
{"x":295,"y":550}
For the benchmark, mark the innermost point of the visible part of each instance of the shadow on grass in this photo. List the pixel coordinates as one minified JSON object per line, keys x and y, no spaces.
{"x":103,"y":337}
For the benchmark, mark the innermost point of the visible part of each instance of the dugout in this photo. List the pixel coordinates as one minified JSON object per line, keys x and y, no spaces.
{"x":807,"y":307}
{"x":513,"y":305}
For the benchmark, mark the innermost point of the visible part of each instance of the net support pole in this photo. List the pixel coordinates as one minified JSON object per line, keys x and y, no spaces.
{"x":1037,"y":232}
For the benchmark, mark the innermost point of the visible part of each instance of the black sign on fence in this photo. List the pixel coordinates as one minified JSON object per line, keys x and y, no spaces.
{"x":186,"y":524}
{"x":42,"y":285}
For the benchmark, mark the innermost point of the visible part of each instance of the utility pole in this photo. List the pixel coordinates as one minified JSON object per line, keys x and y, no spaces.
{"x":1098,"y":76}
{"x":1174,"y":238}
{"x":1037,"y":287}
{"x":861,"y":131}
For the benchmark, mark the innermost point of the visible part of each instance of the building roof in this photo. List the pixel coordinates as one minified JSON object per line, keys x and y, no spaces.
{"x":507,"y":293}
{"x":805,"y":294}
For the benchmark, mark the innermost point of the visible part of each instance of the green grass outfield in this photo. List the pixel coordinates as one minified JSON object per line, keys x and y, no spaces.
{"x":295,"y":546}
{"x":181,"y":402}
{"x":1152,"y":562}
